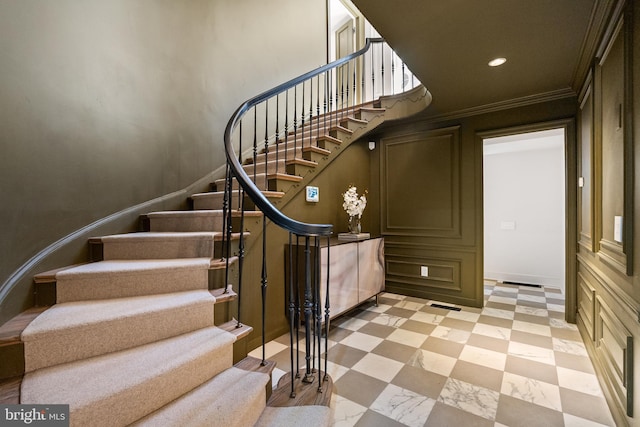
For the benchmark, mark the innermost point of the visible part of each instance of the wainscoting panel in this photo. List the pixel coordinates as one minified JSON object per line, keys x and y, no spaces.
{"x":450,"y":275}
{"x":586,"y":304}
{"x":421,"y":184}
{"x":615,"y":350}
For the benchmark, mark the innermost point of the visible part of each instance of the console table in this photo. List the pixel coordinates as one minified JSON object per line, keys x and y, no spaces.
{"x":356,"y":272}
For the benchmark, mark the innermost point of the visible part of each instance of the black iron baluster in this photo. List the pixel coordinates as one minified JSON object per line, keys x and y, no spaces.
{"x":277,"y":136}
{"x":302,"y":119}
{"x":255,"y":141}
{"x":295,"y":121}
{"x":308,"y":308}
{"x":318,"y":311}
{"x":229,"y":229}
{"x":297,"y":296}
{"x":318,"y":106}
{"x":286,"y":127}
{"x":327,"y":306}
{"x":393,"y":73}
{"x":382,"y":66}
{"x":403,"y":75}
{"x":263,"y":286}
{"x":240,"y":256}
{"x":363,"y":63}
{"x":225,"y":209}
{"x":373,"y":76}
{"x":291,"y":313}
{"x":310,"y":112}
{"x":326,"y":98}
{"x":353,"y":85}
{"x":348,"y":80}
{"x":266,"y":144}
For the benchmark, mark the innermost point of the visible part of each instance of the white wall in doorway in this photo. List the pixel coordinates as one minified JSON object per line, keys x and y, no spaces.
{"x":524,"y":208}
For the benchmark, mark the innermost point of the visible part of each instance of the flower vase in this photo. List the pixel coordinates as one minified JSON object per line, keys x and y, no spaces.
{"x":354,"y":224}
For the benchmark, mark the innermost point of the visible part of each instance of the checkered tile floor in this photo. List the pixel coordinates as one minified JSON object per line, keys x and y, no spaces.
{"x":515,"y":362}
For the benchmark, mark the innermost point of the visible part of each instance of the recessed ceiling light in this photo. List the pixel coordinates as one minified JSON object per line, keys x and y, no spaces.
{"x":497,"y":61}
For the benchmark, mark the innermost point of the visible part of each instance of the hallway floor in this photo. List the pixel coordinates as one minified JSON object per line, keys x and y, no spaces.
{"x":515,"y":362}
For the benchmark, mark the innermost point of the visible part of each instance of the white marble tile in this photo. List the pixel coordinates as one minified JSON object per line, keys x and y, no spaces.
{"x":455,"y":335}
{"x":532,"y":328}
{"x":432,"y":318}
{"x":410,"y":338}
{"x":573,"y":421}
{"x":531,"y":390}
{"x":404,"y":406}
{"x":410,"y":305}
{"x":509,"y":289}
{"x":571,"y":347}
{"x":532,"y":298}
{"x":503,"y":300}
{"x":346,"y":413}
{"x":532,"y":311}
{"x":352,"y":323}
{"x":432,"y":362}
{"x":464,"y":315}
{"x":380,"y":308}
{"x":532,"y":352}
{"x":271,"y":348}
{"x":378,"y":367}
{"x":360,"y":341}
{"x":561,"y":324}
{"x":470,"y":398}
{"x":555,"y":307}
{"x":483,"y":357}
{"x":335,"y":371}
{"x":579,"y":381}
{"x":496,"y":312}
{"x":492,"y":331}
{"x":388,"y":320}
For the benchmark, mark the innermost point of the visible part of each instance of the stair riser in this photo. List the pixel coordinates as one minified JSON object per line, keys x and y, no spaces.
{"x":80,"y":342}
{"x":120,"y":285}
{"x":272,"y":167}
{"x":159,"y":249}
{"x":187,"y":223}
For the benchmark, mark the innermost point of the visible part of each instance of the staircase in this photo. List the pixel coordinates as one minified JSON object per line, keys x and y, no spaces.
{"x":146,"y":333}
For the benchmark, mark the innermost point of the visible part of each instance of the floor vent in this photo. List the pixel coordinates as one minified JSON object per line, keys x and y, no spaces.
{"x":522,"y":284}
{"x":448,"y":307}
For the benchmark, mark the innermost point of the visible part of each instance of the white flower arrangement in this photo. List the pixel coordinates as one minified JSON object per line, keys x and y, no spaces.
{"x":353,"y":204}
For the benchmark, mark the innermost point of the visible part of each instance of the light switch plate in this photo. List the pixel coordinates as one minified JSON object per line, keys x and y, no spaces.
{"x":617,"y":228}
{"x":424,"y":271}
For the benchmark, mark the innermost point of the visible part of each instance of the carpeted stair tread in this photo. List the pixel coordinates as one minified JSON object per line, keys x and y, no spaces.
{"x":294,"y":416}
{"x":234,"y":398}
{"x":159,"y":245}
{"x":76,"y":330}
{"x":120,"y":388}
{"x":128,"y":278}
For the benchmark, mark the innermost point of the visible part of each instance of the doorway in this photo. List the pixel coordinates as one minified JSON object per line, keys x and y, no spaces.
{"x":525,"y":218}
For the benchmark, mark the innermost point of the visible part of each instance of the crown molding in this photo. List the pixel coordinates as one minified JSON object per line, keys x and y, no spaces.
{"x":507,"y":104}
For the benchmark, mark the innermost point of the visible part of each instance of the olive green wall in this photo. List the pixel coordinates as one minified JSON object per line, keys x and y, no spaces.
{"x":110,"y":109}
{"x":608,"y":276}
{"x":430,"y":175}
